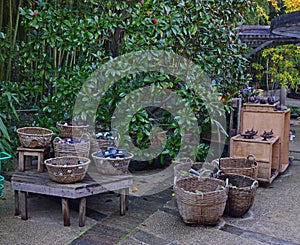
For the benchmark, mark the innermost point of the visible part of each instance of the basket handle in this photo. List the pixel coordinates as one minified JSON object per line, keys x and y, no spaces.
{"x":227,"y":185}
{"x":85,"y":136}
{"x":183,"y":160}
{"x":254,"y":184}
{"x":253,"y":157}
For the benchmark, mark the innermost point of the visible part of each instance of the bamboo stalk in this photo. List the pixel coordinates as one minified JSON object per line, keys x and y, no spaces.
{"x":1,"y":23}
{"x":9,"y":33}
{"x":1,"y":13}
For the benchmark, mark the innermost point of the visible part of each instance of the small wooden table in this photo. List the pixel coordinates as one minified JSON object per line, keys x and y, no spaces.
{"x":28,"y":153}
{"x":266,"y":152}
{"x":93,"y":183}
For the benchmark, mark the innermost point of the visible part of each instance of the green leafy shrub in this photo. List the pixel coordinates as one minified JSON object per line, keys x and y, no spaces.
{"x":68,"y":40}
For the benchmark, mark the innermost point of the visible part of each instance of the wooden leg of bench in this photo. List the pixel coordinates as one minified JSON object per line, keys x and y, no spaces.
{"x":23,"y":205}
{"x":82,"y":211}
{"x":65,"y":211}
{"x":126,"y":198}
{"x":21,"y":161}
{"x":40,"y":162}
{"x":17,"y":203}
{"x":122,"y":202}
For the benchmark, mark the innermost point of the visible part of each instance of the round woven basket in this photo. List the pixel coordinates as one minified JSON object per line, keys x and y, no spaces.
{"x":241,"y":195}
{"x":112,"y":166}
{"x":242,"y":166}
{"x":62,"y":148}
{"x":67,"y":169}
{"x":70,"y":131}
{"x":206,"y":208}
{"x":34,"y":137}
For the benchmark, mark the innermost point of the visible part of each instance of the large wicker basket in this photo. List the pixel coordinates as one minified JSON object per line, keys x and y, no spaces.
{"x":206,"y":208}
{"x":241,"y":195}
{"x":67,"y":170}
{"x":34,"y":137}
{"x":112,"y":166}
{"x":62,"y":148}
{"x":70,"y":131}
{"x":243,"y":166}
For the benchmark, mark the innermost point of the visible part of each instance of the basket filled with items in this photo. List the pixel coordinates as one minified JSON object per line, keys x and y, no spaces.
{"x":112,"y":161}
{"x":68,"y":169}
{"x":201,"y":200}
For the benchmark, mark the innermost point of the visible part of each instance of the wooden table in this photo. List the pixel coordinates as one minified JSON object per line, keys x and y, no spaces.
{"x":93,"y":183}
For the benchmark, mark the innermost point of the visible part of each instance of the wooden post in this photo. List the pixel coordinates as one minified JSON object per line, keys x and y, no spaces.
{"x":40,"y":162}
{"x":21,"y":161}
{"x":23,"y":204}
{"x":82,"y":211}
{"x":65,"y":211}
{"x":122,"y":202}
{"x":126,"y":198}
{"x":17,"y":203}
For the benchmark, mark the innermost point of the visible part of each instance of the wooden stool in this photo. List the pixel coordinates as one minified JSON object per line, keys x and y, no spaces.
{"x":41,"y":153}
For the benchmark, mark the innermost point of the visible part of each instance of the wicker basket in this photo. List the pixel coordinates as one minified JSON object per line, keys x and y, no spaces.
{"x":242,"y":166}
{"x":102,"y":144}
{"x":69,"y":131}
{"x":242,"y":190}
{"x":206,"y":208}
{"x":34,"y":137}
{"x":82,"y":149}
{"x":112,"y":166}
{"x":67,"y":170}
{"x":181,"y":170}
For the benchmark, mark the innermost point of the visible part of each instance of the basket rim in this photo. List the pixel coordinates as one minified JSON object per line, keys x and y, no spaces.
{"x":113,"y":159}
{"x":50,"y":132}
{"x":46,"y":162}
{"x":205,"y":192}
{"x":240,"y":176}
{"x":71,"y":126}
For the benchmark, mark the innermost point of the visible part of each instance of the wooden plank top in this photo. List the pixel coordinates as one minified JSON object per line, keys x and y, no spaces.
{"x":21,"y":148}
{"x":93,"y":183}
{"x":256,"y":139}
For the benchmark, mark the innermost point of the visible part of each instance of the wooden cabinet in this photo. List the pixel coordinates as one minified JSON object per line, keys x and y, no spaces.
{"x":265,"y":118}
{"x":266,"y":153}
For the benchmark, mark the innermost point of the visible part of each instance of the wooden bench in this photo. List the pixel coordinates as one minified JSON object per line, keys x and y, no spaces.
{"x":94,"y":183}
{"x":26,"y":154}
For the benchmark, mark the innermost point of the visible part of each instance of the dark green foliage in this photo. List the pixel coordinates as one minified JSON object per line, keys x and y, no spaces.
{"x":67,"y":40}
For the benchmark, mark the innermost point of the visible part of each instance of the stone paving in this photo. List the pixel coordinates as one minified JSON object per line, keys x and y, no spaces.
{"x":154,"y":219}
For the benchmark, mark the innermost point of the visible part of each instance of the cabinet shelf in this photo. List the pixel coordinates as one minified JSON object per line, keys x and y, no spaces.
{"x":266,"y":153}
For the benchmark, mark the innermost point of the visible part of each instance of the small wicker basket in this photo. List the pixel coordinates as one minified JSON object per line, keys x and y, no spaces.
{"x":70,"y":131}
{"x":242,"y":166}
{"x":241,"y":195}
{"x":66,"y":170}
{"x":206,"y":208}
{"x":112,"y":166}
{"x":62,"y":148}
{"x":34,"y":137}
{"x":102,"y":144}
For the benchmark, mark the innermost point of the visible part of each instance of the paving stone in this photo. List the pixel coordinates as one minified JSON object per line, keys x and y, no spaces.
{"x":148,"y":238}
{"x":100,"y":234}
